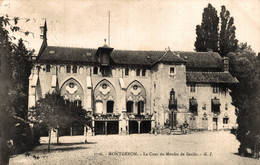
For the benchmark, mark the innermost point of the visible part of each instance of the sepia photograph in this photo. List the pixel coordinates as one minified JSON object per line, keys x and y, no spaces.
{"x":131,"y":82}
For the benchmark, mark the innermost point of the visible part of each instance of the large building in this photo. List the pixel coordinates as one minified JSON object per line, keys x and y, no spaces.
{"x":133,"y":91}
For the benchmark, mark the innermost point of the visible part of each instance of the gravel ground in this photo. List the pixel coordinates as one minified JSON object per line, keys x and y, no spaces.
{"x":196,"y":148}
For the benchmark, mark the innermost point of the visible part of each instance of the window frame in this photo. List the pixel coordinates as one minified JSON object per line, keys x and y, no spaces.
{"x":143,"y":72}
{"x":74,"y":69}
{"x":174,"y":71}
{"x":127,"y":72}
{"x":95,"y":70}
{"x":48,"y":68}
{"x":215,"y":89}
{"x":138,"y":72}
{"x":193,"y":88}
{"x":68,"y":69}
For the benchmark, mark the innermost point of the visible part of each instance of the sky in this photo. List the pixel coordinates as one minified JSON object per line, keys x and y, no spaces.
{"x":134,"y":24}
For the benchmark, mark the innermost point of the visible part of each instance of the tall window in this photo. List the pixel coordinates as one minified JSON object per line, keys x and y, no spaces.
{"x":138,"y":72}
{"x":74,"y":69}
{"x":110,"y":106}
{"x":129,"y":106}
{"x":215,"y":89}
{"x":126,"y":71}
{"x":140,"y":108}
{"x":192,"y":88}
{"x":143,"y":72}
{"x":95,"y":70}
{"x":193,"y":105}
{"x":48,"y":68}
{"x":68,"y":69}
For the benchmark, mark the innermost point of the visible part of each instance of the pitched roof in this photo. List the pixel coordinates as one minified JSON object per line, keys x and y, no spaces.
{"x":68,"y":54}
{"x":202,"y":60}
{"x":210,"y":77}
{"x":195,"y":61}
{"x":171,"y":57}
{"x":136,"y":57}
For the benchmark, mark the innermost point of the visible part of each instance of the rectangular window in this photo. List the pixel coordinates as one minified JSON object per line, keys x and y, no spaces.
{"x":95,"y":70}
{"x":192,"y":88}
{"x":68,"y":69}
{"x":138,"y":72}
{"x":215,"y":89}
{"x":143,"y":72}
{"x":172,"y":70}
{"x":127,"y":72}
{"x":225,"y":120}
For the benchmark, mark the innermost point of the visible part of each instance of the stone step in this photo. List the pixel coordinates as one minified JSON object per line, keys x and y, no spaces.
{"x":176,"y":132}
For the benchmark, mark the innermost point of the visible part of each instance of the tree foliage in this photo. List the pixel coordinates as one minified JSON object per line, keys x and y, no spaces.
{"x":246,"y":95}
{"x":15,"y":68}
{"x":53,"y":111}
{"x":208,"y":35}
{"x":207,"y":32}
{"x":227,"y":37}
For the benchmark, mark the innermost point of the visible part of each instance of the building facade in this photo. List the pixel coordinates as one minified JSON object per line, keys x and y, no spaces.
{"x":133,"y":91}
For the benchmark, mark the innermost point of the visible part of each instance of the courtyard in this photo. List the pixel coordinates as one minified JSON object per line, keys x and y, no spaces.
{"x":196,"y":148}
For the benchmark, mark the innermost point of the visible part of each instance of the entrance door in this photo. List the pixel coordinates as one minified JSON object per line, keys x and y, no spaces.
{"x":192,"y":123}
{"x":173,"y":120}
{"x":112,"y":127}
{"x":99,"y":128}
{"x":145,"y":127}
{"x":205,"y":123}
{"x":215,"y":123}
{"x":133,"y":127}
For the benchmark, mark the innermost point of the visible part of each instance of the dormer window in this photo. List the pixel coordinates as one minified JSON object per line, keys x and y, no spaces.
{"x":74,"y":69}
{"x":48,"y":68}
{"x":68,"y":68}
{"x":95,"y":70}
{"x":138,"y":72}
{"x":127,"y":72}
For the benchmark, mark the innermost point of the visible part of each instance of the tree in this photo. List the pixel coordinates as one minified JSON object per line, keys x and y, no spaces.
{"x":55,"y":113}
{"x":246,"y":96}
{"x":13,"y":92}
{"x":227,"y":37}
{"x":21,"y":70}
{"x":207,"y":32}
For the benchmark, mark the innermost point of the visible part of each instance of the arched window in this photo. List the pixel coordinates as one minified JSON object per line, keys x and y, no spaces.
{"x":138,"y":72}
{"x":74,"y":69}
{"x":95,"y":70}
{"x":110,"y":106}
{"x":48,"y":68}
{"x":68,"y":69}
{"x":126,"y":71}
{"x":129,"y":106}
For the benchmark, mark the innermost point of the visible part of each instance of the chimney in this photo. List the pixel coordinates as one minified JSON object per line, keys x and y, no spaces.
{"x":225,"y":64}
